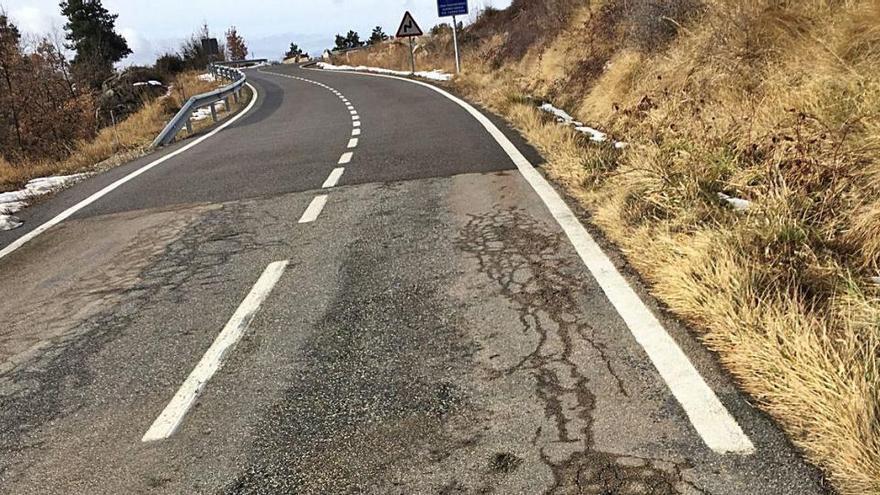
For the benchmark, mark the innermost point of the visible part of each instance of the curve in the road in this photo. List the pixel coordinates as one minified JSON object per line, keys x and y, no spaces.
{"x":317,"y":205}
{"x":21,"y":241}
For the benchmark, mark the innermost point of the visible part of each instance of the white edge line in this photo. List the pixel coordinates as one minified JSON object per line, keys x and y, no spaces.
{"x":712,"y":421}
{"x":172,"y":416}
{"x":314,"y":209}
{"x":21,"y":241}
{"x":335,"y":175}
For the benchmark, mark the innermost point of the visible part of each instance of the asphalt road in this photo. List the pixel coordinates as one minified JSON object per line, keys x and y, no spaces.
{"x":434,"y":331}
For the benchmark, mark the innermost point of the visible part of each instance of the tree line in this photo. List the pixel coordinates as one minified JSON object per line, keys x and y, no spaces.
{"x":49,"y":102}
{"x":353,"y":39}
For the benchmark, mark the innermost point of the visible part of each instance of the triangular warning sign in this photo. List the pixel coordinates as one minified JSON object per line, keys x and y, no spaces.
{"x":408,"y":27}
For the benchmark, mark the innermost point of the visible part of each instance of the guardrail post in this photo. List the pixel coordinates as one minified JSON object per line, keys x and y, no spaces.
{"x":214,"y":111}
{"x":235,"y":96}
{"x":189,"y":127}
{"x":228,"y":102}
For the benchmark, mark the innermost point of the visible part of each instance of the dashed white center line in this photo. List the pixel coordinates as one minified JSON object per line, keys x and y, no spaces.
{"x":353,"y":112}
{"x":335,"y":175}
{"x":352,"y":143}
{"x":169,"y":421}
{"x":314,"y":209}
{"x":355,"y":132}
{"x":346,"y":158}
{"x":355,"y":117}
{"x":356,"y":123}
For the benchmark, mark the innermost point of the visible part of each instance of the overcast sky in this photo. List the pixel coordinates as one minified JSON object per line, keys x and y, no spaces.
{"x":269,"y":26}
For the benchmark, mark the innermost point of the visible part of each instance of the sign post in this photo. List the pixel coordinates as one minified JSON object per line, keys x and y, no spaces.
{"x":446,"y":8}
{"x":410,"y":29}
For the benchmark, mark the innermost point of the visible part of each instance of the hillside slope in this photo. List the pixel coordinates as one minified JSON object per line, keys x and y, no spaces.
{"x":768,"y":101}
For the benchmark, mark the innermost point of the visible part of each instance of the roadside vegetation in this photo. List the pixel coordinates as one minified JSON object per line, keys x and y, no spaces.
{"x":115,"y":145}
{"x":775,"y":103}
{"x":63,"y":116}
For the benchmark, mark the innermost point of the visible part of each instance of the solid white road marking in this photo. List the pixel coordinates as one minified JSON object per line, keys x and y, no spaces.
{"x":314,"y":209}
{"x":169,"y":421}
{"x":352,"y":143}
{"x":335,"y":175}
{"x":355,"y":132}
{"x":712,"y":421}
{"x":346,"y":158}
{"x":21,"y":241}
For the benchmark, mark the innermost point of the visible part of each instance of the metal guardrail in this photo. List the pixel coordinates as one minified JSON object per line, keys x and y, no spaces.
{"x":183,"y":118}
{"x":245,"y":63}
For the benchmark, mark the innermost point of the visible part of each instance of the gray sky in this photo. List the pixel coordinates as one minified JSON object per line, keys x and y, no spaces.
{"x":268,"y":26}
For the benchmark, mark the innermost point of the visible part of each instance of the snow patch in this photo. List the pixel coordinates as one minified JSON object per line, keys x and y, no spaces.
{"x":738,"y":204}
{"x":561,"y":115}
{"x":9,"y":222}
{"x":147,"y":83}
{"x":207,"y":77}
{"x":15,"y":201}
{"x":565,"y":119}
{"x":205,"y":112}
{"x":595,"y":134}
{"x":434,"y":75}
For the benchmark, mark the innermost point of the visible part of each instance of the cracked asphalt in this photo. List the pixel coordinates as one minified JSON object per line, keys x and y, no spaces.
{"x":434,"y":333}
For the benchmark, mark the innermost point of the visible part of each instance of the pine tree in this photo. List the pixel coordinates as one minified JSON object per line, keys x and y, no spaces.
{"x":350,"y":40}
{"x":90,"y":31}
{"x":353,"y":40}
{"x":236,"y":45}
{"x":294,"y":51}
{"x":377,"y":36}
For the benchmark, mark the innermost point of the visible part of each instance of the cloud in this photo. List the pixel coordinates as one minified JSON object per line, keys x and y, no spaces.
{"x":268,"y":26}
{"x":141,"y":47}
{"x":33,"y":20}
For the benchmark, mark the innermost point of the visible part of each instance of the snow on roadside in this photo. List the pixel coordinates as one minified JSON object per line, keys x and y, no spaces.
{"x":434,"y":75}
{"x":565,"y":119}
{"x":15,"y":201}
{"x":207,"y":77}
{"x":205,"y":112}
{"x":151,"y":82}
{"x":738,"y":204}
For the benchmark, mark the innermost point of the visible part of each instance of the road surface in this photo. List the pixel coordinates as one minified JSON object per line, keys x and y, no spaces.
{"x":354,"y":288}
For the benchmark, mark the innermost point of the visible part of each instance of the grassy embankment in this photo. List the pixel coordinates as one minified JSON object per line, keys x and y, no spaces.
{"x":774,"y":102}
{"x":114,"y":146}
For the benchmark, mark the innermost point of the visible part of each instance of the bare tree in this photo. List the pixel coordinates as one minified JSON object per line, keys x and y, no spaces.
{"x":236,"y":45}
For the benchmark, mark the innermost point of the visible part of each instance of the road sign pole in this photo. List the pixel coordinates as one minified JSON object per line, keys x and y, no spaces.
{"x":412,"y":55}
{"x":455,"y":42}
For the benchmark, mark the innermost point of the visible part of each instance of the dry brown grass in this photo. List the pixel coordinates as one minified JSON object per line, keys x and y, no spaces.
{"x":774,"y":102}
{"x":114,"y":146}
{"x":431,"y":53}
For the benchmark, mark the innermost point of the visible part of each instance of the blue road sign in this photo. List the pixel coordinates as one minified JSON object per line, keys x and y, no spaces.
{"x":448,"y":8}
